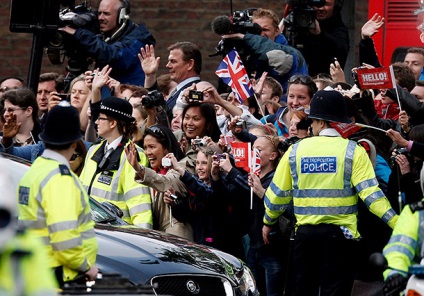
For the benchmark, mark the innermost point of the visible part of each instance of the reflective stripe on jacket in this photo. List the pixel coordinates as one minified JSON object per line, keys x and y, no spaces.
{"x":116,"y":184}
{"x":324,"y":176}
{"x":405,"y":246}
{"x":23,"y":269}
{"x":54,"y":205}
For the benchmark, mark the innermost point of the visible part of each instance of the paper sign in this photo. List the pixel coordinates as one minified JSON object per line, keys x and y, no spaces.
{"x":376,"y":78}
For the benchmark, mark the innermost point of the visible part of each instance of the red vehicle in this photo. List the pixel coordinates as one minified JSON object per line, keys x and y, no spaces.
{"x":400,"y":28}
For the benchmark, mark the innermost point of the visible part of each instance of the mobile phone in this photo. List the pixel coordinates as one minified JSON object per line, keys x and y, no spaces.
{"x":173,"y":196}
{"x":166,"y":162}
{"x":64,"y":97}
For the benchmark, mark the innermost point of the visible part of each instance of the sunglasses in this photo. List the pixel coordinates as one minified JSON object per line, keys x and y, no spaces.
{"x":75,"y":156}
{"x":303,"y":79}
{"x":155,"y":130}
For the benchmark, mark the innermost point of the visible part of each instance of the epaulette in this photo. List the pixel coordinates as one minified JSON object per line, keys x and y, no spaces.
{"x":64,"y":170}
{"x":416,"y":206}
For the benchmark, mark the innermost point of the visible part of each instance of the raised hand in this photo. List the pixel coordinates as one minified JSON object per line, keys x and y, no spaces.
{"x":10,"y":128}
{"x":371,"y":26}
{"x":131,"y":153}
{"x":149,"y":62}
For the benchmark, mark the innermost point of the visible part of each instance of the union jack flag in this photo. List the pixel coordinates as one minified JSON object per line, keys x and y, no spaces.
{"x":233,"y":73}
{"x":256,"y":161}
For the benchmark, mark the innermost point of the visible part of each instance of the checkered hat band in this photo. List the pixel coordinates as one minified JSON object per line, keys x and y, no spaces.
{"x":103,"y":107}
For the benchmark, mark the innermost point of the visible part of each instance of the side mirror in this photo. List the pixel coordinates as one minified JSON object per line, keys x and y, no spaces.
{"x":113,"y":208}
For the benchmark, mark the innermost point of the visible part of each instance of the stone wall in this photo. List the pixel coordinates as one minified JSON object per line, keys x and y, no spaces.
{"x":169,"y":21}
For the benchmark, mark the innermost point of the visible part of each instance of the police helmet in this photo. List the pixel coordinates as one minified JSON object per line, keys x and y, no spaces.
{"x":62,"y":125}
{"x":329,"y":105}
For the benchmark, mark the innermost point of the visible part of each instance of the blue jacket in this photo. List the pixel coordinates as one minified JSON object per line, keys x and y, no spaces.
{"x":120,"y":54}
{"x":30,"y":152}
{"x":279,"y":60}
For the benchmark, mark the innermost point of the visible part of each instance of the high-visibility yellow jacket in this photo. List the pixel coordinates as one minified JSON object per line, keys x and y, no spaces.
{"x":115,"y":183}
{"x":54,"y":205}
{"x":405,"y":246}
{"x":23,"y":269}
{"x":323,"y":176}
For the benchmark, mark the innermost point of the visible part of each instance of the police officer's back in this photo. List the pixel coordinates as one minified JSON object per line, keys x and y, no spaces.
{"x":53,"y":203}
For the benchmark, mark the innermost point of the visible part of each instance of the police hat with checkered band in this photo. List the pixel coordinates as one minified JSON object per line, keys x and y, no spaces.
{"x":117,"y":108}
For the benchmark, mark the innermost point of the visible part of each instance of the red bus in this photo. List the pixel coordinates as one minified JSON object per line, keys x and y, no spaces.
{"x":399,"y":31}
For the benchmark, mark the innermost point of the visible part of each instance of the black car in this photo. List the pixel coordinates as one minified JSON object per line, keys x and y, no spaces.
{"x":164,"y":263}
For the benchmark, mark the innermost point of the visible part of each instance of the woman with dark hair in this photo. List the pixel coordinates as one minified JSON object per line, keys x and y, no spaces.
{"x":22,"y":104}
{"x":158,"y":142}
{"x":106,"y":175}
{"x":199,"y":122}
{"x":300,"y":90}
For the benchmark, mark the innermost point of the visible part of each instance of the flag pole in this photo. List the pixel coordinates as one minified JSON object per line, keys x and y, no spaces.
{"x":257,"y":102}
{"x":369,"y":126}
{"x":392,"y":74}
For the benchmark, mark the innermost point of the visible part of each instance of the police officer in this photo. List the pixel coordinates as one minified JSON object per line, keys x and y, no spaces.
{"x":323,"y":176}
{"x":106,"y":175}
{"x":23,"y":268}
{"x":54,"y":205}
{"x":405,"y":246}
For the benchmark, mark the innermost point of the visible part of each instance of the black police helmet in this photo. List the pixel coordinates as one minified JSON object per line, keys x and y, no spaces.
{"x":62,"y":125}
{"x":329,"y":105}
{"x":117,"y":108}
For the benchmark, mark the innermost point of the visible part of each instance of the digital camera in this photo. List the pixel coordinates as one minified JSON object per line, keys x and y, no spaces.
{"x":195,"y":95}
{"x":197,"y":143}
{"x":153,"y":98}
{"x":166,"y":162}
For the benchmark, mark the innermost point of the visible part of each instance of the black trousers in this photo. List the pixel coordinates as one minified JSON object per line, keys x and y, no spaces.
{"x":324,"y":261}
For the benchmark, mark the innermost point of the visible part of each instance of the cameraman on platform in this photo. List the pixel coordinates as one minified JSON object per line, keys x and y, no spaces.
{"x":119,"y":42}
{"x":327,"y":41}
{"x":269,"y":51}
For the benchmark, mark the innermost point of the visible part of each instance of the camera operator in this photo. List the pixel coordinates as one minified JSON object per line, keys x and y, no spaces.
{"x":119,"y":42}
{"x":269,"y":52}
{"x":327,"y":41}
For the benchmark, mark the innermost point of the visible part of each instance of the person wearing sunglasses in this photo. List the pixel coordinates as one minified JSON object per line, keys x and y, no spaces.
{"x":106,"y":175}
{"x":301,"y":88}
{"x":21,"y":104}
{"x":159,"y":176}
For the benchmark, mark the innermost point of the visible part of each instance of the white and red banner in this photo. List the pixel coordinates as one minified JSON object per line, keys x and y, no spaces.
{"x":376,"y":78}
{"x":242,"y":154}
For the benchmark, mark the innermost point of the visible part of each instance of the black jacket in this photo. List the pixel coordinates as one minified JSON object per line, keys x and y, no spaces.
{"x":320,"y":50}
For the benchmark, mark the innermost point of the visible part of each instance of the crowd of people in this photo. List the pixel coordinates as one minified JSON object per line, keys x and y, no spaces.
{"x":305,"y":222}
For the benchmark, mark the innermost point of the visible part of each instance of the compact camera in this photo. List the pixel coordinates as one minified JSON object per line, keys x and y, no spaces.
{"x":220,"y":156}
{"x":173,"y":196}
{"x":241,"y":123}
{"x":166,"y":162}
{"x":197,"y":143}
{"x":195,"y":95}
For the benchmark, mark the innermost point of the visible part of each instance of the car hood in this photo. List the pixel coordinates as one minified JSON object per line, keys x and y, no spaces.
{"x":140,"y":254}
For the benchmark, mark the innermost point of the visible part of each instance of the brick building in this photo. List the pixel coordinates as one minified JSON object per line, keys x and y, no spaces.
{"x":169,"y":21}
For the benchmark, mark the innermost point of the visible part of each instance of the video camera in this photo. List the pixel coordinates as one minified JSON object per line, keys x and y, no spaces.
{"x":239,"y":22}
{"x":60,"y":44}
{"x":302,"y":16}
